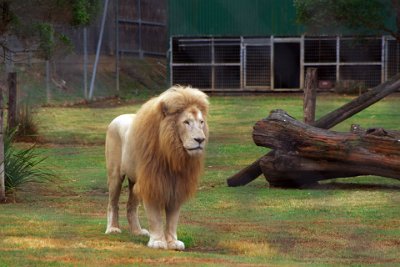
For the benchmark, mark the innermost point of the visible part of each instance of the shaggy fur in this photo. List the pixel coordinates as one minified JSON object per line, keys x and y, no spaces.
{"x":149,"y":150}
{"x":166,"y":174}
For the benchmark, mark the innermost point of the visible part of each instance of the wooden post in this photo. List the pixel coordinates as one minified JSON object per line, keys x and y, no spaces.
{"x":310,"y":93}
{"x":2,"y":174}
{"x":48,"y":78}
{"x":12,"y":101}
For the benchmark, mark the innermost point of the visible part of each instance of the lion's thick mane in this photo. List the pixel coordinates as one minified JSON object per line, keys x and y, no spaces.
{"x":166,"y":174}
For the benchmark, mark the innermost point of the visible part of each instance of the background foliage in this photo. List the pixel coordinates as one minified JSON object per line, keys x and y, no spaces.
{"x":34,"y":23}
{"x":335,"y":16}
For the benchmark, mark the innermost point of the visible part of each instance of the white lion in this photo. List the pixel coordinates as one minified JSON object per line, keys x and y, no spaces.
{"x":161,"y":152}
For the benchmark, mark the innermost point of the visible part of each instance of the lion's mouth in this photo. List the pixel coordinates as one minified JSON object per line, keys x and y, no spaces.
{"x":194,"y":148}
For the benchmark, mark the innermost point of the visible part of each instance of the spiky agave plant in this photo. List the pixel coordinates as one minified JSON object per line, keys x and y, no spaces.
{"x":22,"y":165}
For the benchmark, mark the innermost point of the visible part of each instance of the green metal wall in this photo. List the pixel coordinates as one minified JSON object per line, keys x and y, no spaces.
{"x":232,"y":17}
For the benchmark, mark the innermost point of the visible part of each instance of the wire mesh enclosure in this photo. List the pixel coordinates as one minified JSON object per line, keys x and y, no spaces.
{"x":139,"y":21}
{"x":258,"y":65}
{"x":271,"y":63}
{"x":206,"y":62}
{"x":346,"y":59}
{"x":393,"y":59}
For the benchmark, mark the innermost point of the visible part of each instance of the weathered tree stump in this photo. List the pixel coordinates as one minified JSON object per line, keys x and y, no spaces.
{"x":305,"y":154}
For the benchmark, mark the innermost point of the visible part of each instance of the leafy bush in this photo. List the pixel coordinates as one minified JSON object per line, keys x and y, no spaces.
{"x":22,"y":165}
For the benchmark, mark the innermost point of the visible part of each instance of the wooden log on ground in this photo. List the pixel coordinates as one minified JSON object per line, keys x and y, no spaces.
{"x":246,"y":175}
{"x":291,"y":171}
{"x":306,"y":154}
{"x":326,"y":122}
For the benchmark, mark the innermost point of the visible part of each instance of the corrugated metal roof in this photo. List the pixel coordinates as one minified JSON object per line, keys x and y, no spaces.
{"x":233,"y":17}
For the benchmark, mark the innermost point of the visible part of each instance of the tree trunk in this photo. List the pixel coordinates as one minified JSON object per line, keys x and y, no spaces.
{"x":2,"y":174}
{"x":12,"y":100}
{"x":328,"y":121}
{"x":306,"y":154}
{"x":48,"y":78}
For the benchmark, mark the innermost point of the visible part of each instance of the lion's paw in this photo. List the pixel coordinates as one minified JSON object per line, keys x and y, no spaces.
{"x":157,"y":244}
{"x":176,"y":245}
{"x":111,"y":230}
{"x":141,"y":232}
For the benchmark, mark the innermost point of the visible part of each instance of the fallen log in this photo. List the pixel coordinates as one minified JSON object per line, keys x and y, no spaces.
{"x":246,"y":175}
{"x":305,"y":154}
{"x":291,"y":171}
{"x":333,"y":118}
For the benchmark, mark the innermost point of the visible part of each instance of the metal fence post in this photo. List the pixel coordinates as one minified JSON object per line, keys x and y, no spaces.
{"x":85,"y":64}
{"x":96,"y":62}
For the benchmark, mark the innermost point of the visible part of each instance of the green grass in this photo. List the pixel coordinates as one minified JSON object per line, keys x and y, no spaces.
{"x":349,"y":221}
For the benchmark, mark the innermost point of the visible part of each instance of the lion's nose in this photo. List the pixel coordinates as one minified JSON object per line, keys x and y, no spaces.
{"x":199,"y":140}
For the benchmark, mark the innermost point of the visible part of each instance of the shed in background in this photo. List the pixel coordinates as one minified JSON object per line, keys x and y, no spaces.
{"x":234,"y":45}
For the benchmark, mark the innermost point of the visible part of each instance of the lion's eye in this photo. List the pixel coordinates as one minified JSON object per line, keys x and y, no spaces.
{"x":186,"y":122}
{"x":202,"y":122}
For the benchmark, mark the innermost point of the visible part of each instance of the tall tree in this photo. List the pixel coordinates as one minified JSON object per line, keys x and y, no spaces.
{"x":333,"y":16}
{"x":33,"y":24}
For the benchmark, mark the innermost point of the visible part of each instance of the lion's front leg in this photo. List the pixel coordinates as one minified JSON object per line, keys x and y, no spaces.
{"x":132,"y":212}
{"x":172,"y":216}
{"x":154,"y":215}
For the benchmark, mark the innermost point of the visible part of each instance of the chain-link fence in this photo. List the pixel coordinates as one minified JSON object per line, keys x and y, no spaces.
{"x":135,"y":31}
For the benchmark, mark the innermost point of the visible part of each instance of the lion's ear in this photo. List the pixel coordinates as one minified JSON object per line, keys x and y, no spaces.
{"x":169,"y":108}
{"x":164,"y":109}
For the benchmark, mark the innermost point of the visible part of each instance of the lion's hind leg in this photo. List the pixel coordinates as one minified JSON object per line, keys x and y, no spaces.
{"x":114,"y":188}
{"x":132,"y":212}
{"x":114,"y":176}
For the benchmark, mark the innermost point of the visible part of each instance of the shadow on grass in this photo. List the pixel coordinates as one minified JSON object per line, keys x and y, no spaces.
{"x":354,"y":186}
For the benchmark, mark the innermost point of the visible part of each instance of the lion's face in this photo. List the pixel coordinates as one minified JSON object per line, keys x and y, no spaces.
{"x":193,"y":131}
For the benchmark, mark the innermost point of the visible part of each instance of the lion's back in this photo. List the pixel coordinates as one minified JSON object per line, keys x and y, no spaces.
{"x":117,"y":141}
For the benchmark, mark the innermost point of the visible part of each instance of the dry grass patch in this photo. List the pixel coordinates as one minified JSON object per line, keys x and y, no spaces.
{"x":248,"y":248}
{"x":28,"y":242}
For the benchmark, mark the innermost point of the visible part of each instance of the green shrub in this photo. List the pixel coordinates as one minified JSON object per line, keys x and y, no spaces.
{"x":22,"y":165}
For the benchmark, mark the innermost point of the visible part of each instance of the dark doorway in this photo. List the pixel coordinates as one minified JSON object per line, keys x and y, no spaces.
{"x":286,"y":65}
